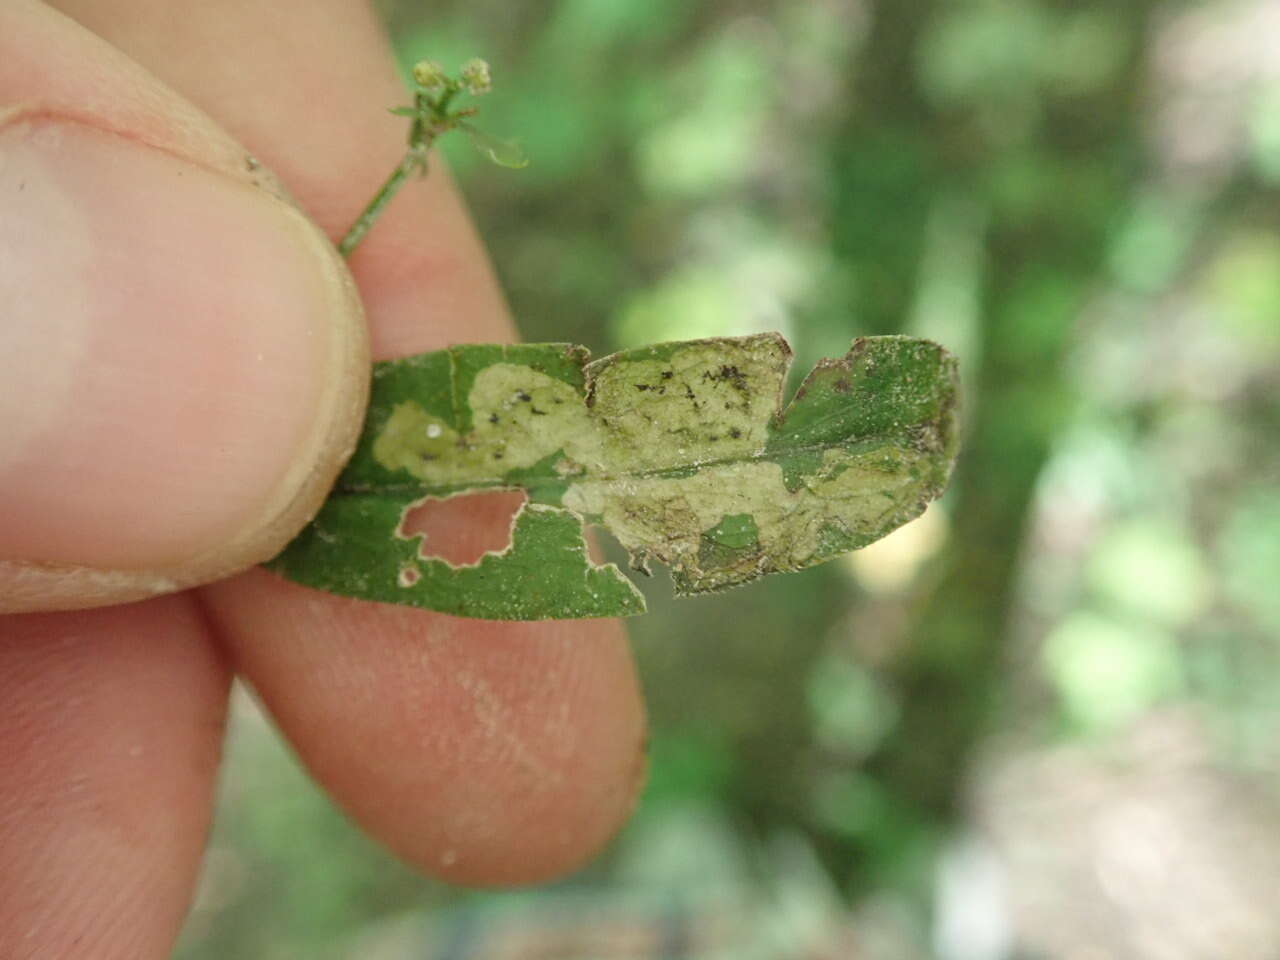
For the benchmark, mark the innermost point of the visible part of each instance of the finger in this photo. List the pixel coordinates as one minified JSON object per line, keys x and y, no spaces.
{"x":182,"y":358}
{"x":488,"y":753}
{"x":109,"y":736}
{"x":485,"y":752}
{"x":307,"y":89}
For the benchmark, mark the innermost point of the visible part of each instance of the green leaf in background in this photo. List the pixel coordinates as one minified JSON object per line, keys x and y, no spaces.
{"x":682,"y":450}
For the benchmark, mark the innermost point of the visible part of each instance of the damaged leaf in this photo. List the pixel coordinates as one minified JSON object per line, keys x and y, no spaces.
{"x":682,"y":450}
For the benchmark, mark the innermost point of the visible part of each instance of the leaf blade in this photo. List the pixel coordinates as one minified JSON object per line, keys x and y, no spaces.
{"x":505,"y":153}
{"x":684,"y":451}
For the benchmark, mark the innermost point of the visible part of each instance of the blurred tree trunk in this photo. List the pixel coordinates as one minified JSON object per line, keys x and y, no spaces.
{"x":1044,"y":243}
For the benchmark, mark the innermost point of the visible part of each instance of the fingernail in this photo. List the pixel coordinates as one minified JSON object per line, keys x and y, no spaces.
{"x":181,"y":359}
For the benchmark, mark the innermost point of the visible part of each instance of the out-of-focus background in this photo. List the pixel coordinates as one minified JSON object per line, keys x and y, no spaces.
{"x":1042,"y":721}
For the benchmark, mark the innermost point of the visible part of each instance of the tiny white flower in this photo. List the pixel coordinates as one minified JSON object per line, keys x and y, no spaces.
{"x":475,"y":76}
{"x":429,"y":75}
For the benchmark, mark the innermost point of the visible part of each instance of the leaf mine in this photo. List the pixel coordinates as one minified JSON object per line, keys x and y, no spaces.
{"x":684,"y":451}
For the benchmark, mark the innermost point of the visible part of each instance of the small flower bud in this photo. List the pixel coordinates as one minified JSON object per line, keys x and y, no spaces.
{"x":429,"y":75}
{"x":475,"y":76}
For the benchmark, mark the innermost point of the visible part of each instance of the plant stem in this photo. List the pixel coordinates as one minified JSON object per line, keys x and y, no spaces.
{"x":414,"y":161}
{"x":431,"y":118}
{"x":407,"y":166}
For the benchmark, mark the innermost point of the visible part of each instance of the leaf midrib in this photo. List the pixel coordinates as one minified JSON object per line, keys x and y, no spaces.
{"x":498,"y":483}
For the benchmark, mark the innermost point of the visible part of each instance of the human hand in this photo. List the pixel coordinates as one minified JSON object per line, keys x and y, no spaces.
{"x":182,"y":366}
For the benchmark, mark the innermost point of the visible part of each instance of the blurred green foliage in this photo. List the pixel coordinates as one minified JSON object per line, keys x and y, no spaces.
{"x":1018,"y":180}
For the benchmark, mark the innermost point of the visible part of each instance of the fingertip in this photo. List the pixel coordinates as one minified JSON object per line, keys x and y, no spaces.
{"x":545,"y":791}
{"x":185,"y":370}
{"x":489,"y":754}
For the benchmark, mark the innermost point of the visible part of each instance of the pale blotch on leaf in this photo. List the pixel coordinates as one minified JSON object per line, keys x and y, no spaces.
{"x":683,"y":451}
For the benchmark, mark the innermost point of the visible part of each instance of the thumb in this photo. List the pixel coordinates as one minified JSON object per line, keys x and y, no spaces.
{"x":182,"y":353}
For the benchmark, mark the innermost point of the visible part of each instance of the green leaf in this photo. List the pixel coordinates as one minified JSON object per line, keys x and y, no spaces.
{"x":682,"y":450}
{"x":505,"y":153}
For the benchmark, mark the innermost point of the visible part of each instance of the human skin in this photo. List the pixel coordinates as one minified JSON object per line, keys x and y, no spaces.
{"x":186,"y":362}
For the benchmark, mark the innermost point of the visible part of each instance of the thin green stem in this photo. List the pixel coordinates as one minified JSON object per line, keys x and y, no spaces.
{"x":421,"y":136}
{"x":431,"y":118}
{"x":411,"y":163}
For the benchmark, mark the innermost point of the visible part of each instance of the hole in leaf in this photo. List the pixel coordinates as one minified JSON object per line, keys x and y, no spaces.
{"x":601,"y":544}
{"x":461,"y":530}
